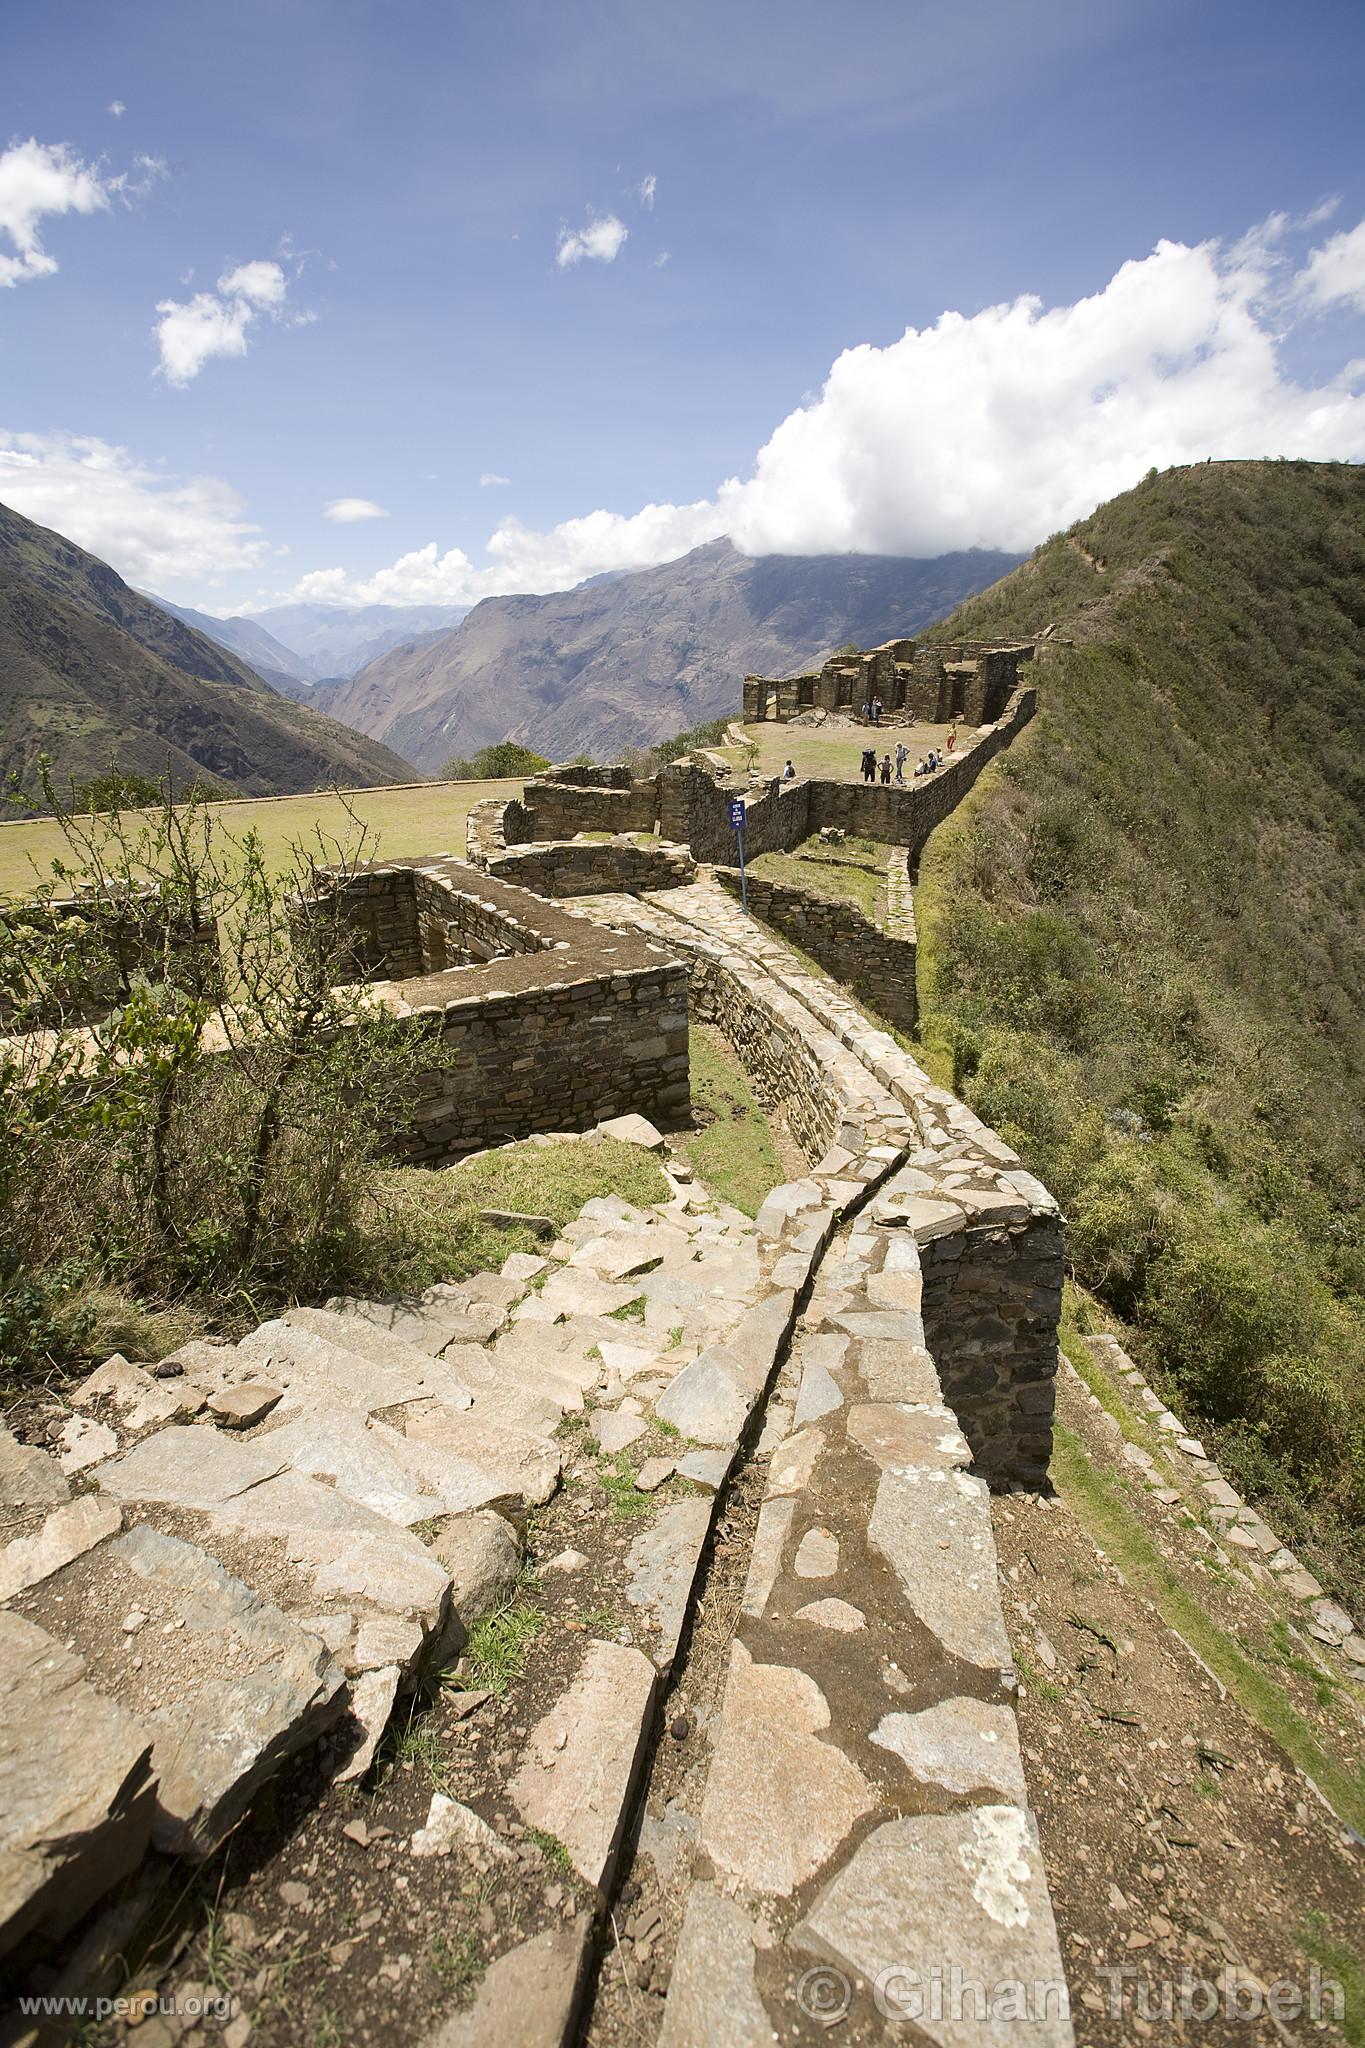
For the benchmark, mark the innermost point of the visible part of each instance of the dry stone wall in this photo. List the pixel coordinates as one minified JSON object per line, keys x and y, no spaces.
{"x":587,"y":867}
{"x":779,"y":815}
{"x":560,"y":1026}
{"x":878,"y":967}
{"x":989,"y":1233}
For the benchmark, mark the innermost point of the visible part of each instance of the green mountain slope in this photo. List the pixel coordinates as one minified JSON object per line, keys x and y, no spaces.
{"x":90,"y":670}
{"x":1143,"y":949}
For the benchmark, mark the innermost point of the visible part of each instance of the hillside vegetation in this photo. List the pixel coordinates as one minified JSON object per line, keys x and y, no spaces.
{"x":1143,"y":951}
{"x":91,"y":671}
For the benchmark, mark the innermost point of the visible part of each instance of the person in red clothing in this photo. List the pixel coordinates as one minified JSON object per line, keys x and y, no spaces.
{"x":952,"y":735}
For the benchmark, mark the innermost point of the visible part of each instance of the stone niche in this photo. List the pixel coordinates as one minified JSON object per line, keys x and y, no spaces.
{"x":554,"y":1023}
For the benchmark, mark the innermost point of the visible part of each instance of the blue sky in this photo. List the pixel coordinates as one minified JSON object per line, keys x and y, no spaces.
{"x":339,"y":250}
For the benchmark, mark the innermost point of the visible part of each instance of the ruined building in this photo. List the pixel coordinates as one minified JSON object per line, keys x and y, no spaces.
{"x":926,"y":681}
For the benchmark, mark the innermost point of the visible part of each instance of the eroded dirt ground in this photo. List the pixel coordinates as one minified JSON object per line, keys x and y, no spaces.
{"x":1180,"y":1841}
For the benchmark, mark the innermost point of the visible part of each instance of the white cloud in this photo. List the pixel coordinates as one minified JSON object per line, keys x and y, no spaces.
{"x":984,"y":430}
{"x":117,"y":109}
{"x":38,"y":179}
{"x":1335,"y":274}
{"x":645,"y":191}
{"x":189,"y":332}
{"x":345,"y":511}
{"x":162,"y":532}
{"x":490,"y":480}
{"x":600,"y":241}
{"x":661,"y":259}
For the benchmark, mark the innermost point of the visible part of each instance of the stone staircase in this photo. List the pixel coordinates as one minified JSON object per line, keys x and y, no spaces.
{"x":246,"y":1571}
{"x":254,"y":1548}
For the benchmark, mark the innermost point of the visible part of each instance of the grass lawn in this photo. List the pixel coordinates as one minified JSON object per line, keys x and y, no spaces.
{"x":733,"y":1151}
{"x":830,"y":874}
{"x":833,"y":752}
{"x":421,"y":818}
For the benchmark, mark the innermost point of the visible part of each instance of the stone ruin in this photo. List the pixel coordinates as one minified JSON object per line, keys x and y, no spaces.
{"x":926,"y":681}
{"x":278,"y":1538}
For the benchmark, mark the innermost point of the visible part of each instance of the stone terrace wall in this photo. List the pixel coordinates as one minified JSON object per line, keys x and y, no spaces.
{"x":556,"y":810}
{"x":563,"y":1025}
{"x":989,"y":1234}
{"x":585,"y":867}
{"x":782,"y":814}
{"x":876,"y":966}
{"x":402,"y":921}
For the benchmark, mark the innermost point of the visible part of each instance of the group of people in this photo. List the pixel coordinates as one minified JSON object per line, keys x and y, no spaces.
{"x":886,"y":771}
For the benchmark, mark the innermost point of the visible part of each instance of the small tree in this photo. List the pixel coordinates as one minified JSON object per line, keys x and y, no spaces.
{"x":496,"y":763}
{"x":191,"y":1100}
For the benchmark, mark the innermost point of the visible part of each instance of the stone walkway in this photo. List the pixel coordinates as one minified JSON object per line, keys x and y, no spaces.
{"x":863,"y":1843}
{"x":262,"y":1552}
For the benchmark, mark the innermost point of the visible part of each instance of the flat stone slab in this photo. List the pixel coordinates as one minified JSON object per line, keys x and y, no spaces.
{"x":934,"y":1528}
{"x":633,"y":1130}
{"x":68,"y":1532}
{"x":140,"y":1399}
{"x":838,"y":1615}
{"x":187,"y":1467}
{"x":486,"y":1463}
{"x":894,"y":1433}
{"x":921,"y":1894}
{"x":765,"y":1558}
{"x":244,"y":1405}
{"x":962,"y":1745}
{"x":779,"y":1798}
{"x":614,"y":1432}
{"x":76,"y":1786}
{"x":662,"y":1562}
{"x":710,"y":1400}
{"x":712,"y":1997}
{"x":581,"y":1759}
{"x":527,"y":1996}
{"x":817,"y":1555}
{"x":229,"y":1687}
{"x":29,"y":1478}
{"x":705,"y":1468}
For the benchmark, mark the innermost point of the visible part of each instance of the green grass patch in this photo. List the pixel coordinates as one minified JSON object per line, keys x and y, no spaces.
{"x":425,"y":1224}
{"x":833,"y":877}
{"x":457,"y":1961}
{"x":498,"y":1646}
{"x":1111,"y":1523}
{"x":1340,"y":1961}
{"x":733,"y":1151}
{"x":616,"y":1477}
{"x":552,"y":1849}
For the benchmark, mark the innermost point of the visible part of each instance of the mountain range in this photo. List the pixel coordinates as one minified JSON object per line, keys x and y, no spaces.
{"x":628,"y":659}
{"x":90,"y":670}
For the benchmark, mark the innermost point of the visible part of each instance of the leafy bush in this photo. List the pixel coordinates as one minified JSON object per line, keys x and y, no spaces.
{"x":494,"y":764}
{"x":218,"y":1129}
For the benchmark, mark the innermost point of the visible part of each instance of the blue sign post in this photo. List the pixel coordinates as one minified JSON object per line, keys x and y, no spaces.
{"x":737,"y":827}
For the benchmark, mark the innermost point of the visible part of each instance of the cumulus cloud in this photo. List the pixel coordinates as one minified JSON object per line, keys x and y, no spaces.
{"x":985,"y":430}
{"x":38,"y":179}
{"x":163,"y":532}
{"x":490,"y":480}
{"x":345,"y":511}
{"x":1335,"y":274}
{"x":117,"y":109}
{"x":600,"y":241}
{"x":190,"y":332}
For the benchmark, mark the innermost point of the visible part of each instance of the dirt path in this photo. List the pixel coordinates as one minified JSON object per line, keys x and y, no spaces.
{"x":1183,"y":1848}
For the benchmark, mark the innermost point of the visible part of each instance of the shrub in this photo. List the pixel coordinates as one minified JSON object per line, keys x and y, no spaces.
{"x":494,"y":764}
{"x":218,"y":1129}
